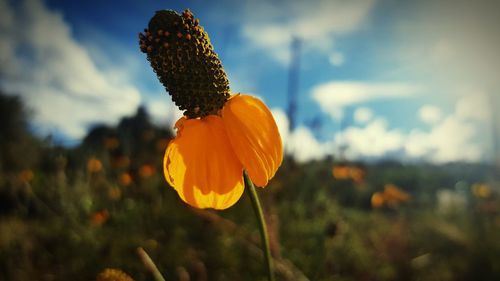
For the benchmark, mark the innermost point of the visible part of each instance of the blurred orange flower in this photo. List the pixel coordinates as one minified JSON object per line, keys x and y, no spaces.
{"x":377,"y":200}
{"x":26,"y":175}
{"x":94,"y":165}
{"x":125,"y":179}
{"x":205,"y":161}
{"x":346,"y":172}
{"x":392,"y":197}
{"x":99,"y":218}
{"x":146,"y":171}
{"x":112,"y":274}
{"x":341,"y":172}
{"x":114,"y":193}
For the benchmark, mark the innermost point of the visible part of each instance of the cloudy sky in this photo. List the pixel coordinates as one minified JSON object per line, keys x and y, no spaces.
{"x":376,"y":79}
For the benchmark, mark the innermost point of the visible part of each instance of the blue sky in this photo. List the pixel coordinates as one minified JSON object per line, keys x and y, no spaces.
{"x":412,"y":81}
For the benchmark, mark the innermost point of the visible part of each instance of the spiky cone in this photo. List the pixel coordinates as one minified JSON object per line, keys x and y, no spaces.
{"x":183,"y":58}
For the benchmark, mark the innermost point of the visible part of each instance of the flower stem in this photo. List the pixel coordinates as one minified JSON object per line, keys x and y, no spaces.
{"x":262,"y":225}
{"x":150,"y":265}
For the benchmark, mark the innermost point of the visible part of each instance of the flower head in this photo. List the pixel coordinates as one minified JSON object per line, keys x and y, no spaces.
{"x":112,"y":274}
{"x":220,"y":134}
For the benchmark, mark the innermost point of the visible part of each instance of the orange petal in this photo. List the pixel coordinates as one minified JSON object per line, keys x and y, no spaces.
{"x":254,"y":136}
{"x":201,"y":165}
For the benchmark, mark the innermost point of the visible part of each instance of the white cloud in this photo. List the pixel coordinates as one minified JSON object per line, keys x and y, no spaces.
{"x":454,"y":137}
{"x":305,"y":147}
{"x":429,"y":114}
{"x":333,"y":97}
{"x":272,"y":38}
{"x":282,"y":123}
{"x":300,"y":143}
{"x":163,"y":111}
{"x":274,"y":25}
{"x":363,"y":115}
{"x":460,"y":136}
{"x":373,"y":140}
{"x":450,"y":140}
{"x":56,"y":75}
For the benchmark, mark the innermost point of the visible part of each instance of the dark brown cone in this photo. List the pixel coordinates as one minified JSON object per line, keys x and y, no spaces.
{"x":183,"y":58}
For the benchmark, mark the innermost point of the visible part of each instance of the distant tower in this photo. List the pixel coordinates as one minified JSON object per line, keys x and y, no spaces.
{"x":293,"y":83}
{"x":495,"y":117}
{"x":343,"y":145}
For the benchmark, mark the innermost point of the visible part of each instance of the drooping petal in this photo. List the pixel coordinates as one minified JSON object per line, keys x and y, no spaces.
{"x":254,"y":136}
{"x":201,"y":165}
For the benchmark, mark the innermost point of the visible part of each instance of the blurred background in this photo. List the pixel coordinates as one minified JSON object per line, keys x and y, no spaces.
{"x":387,"y":110}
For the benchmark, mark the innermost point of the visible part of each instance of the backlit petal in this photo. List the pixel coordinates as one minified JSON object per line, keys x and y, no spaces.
{"x":201,"y":165}
{"x":254,"y":136}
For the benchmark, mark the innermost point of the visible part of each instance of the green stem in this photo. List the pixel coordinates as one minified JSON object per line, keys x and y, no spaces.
{"x":262,"y":225}
{"x":150,"y":265}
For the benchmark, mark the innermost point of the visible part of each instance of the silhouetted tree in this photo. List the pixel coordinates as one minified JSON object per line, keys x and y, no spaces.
{"x":19,"y":149}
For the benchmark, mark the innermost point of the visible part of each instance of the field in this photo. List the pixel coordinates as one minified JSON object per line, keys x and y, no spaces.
{"x":68,"y":213}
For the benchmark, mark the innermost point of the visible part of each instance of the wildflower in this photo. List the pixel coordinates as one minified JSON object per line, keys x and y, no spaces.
{"x":357,"y":174}
{"x":114,"y":193}
{"x":377,"y":200}
{"x":348,"y":172}
{"x":220,"y":134}
{"x":481,"y":190}
{"x":99,"y":218}
{"x":394,"y":195}
{"x":341,"y":172}
{"x":125,"y":179}
{"x":146,"y":171}
{"x":26,"y":175}
{"x":94,"y":165}
{"x":112,"y":274}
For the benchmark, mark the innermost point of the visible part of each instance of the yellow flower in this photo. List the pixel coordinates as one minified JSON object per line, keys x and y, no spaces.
{"x":220,"y":135}
{"x":481,"y":190}
{"x":205,"y":161}
{"x":112,"y":274}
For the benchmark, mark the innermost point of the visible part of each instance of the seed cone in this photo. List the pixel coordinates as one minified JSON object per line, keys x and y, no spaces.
{"x":183,"y":58}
